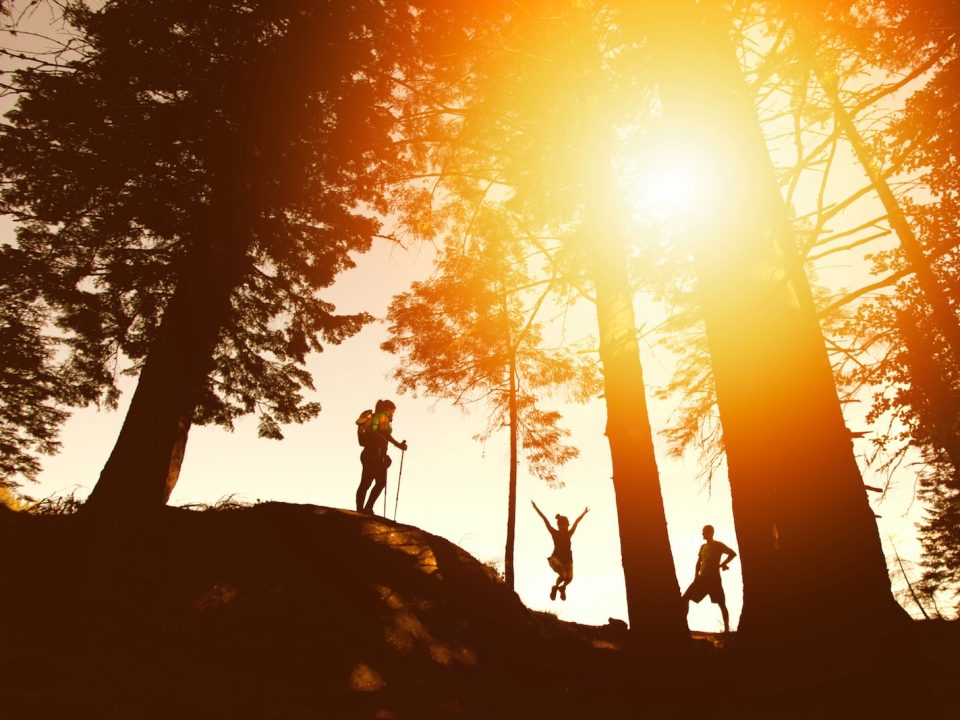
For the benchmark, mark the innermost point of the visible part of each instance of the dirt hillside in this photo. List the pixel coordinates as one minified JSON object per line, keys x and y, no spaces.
{"x":296,"y":611}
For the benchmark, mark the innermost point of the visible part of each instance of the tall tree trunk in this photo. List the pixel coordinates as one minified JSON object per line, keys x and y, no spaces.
{"x":655,"y":611}
{"x":512,"y":489}
{"x":811,"y":554}
{"x":144,"y":465}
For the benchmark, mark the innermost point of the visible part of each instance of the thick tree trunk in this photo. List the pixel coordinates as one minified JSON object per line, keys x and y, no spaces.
{"x":143,"y":468}
{"x":263,"y":113}
{"x":810,"y":550}
{"x":656,"y":614}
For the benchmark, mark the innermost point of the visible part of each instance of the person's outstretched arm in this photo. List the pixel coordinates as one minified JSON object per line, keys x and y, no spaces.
{"x":542,"y":516}
{"x":577,"y":521}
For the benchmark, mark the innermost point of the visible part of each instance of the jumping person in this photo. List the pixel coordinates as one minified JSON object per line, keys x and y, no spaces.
{"x":561,"y":560}
{"x":374,"y":456}
{"x":706,"y":579}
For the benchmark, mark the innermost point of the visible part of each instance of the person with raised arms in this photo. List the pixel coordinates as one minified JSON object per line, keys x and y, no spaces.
{"x":561,"y":560}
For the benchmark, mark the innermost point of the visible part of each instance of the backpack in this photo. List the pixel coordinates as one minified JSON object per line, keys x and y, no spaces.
{"x":364,"y":428}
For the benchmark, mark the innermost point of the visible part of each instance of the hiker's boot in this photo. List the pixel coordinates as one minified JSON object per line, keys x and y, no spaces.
{"x":563,"y":593}
{"x":553,"y":593}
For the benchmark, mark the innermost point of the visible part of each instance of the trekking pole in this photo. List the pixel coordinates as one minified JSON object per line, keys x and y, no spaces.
{"x":384,"y":497}
{"x":396,"y":500}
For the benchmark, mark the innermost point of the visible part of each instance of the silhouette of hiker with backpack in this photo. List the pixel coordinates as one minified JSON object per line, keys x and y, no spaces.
{"x":707,"y":575}
{"x":561,"y":560}
{"x":374,"y":431}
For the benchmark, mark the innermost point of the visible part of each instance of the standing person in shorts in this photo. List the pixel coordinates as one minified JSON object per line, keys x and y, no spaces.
{"x":561,"y":560}
{"x":706,"y":580}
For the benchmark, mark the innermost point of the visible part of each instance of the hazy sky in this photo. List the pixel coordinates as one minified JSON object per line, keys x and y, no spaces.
{"x":451,"y":485}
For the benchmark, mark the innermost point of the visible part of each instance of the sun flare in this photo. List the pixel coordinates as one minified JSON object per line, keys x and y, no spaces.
{"x":675,"y":182}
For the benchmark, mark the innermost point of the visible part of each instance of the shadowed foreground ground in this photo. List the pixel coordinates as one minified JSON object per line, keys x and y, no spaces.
{"x":296,"y":611}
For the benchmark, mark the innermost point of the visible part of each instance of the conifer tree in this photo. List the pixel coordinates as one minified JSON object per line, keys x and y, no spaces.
{"x":37,"y":385}
{"x":883,"y":74}
{"x":809,"y":545}
{"x":845,"y":68}
{"x":194,"y":180}
{"x":472,"y":334}
{"x":917,"y":377}
{"x":32,"y":387}
{"x":536,"y":118}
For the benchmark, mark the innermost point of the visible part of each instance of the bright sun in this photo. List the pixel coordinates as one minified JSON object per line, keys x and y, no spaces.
{"x":674,"y":182}
{"x":678,"y":179}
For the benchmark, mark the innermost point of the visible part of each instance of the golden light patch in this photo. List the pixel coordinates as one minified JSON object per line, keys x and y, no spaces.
{"x":403,"y":540}
{"x":364,"y":678}
{"x":404,"y":631}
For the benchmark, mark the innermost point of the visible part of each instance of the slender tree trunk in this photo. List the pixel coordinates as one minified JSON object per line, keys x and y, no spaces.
{"x":811,"y":554}
{"x":512,"y":489}
{"x":655,"y":611}
{"x":936,"y":296}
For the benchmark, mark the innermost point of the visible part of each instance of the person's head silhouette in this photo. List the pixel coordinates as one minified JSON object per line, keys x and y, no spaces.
{"x":386,"y":406}
{"x":708,"y":532}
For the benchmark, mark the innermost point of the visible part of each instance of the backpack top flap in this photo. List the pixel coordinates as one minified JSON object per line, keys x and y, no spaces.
{"x":363,"y":427}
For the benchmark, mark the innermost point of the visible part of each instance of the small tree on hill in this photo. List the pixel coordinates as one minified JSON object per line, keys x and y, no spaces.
{"x":472,"y":334}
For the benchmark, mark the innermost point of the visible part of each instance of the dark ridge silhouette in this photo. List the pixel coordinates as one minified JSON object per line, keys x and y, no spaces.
{"x":296,"y":611}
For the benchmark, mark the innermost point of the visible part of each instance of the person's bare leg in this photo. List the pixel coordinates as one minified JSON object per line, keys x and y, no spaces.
{"x":726,"y":617}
